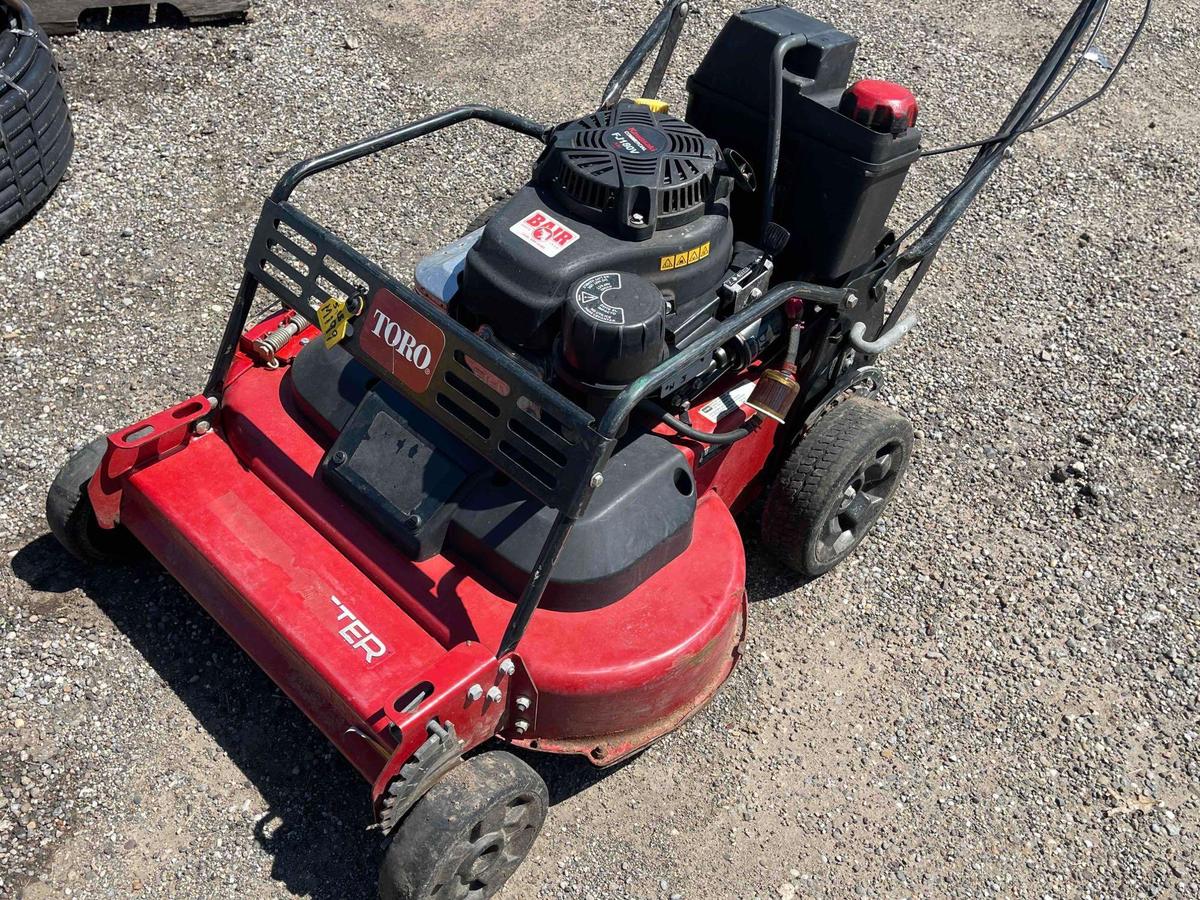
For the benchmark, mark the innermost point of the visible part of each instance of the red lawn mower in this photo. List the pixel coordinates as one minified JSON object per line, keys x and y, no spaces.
{"x":499,"y":505}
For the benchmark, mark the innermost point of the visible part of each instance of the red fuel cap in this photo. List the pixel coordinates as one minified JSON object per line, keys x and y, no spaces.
{"x":882,"y":106}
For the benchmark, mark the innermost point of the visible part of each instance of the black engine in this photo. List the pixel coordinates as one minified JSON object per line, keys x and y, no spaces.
{"x":613,"y":255}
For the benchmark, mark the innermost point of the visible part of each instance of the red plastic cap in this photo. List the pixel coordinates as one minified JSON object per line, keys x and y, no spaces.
{"x":882,"y":106}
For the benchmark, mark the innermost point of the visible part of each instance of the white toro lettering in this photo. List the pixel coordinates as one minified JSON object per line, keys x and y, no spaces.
{"x":357,"y":634}
{"x":403,"y":342}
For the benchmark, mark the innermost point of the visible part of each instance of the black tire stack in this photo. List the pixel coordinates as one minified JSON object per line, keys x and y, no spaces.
{"x":36,"y":139}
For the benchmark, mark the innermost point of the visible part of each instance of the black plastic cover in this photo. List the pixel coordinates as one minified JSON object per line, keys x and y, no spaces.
{"x":614,"y":328}
{"x":402,"y":470}
{"x":630,"y":169}
{"x":639,"y":519}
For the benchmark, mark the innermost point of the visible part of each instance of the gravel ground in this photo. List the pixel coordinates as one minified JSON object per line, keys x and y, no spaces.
{"x":998,"y":694}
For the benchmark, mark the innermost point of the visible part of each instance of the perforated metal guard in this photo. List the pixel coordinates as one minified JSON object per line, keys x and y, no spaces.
{"x":532,"y":433}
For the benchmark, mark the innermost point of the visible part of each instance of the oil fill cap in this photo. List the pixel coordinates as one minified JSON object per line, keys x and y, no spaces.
{"x":882,"y":106}
{"x":614,"y":327}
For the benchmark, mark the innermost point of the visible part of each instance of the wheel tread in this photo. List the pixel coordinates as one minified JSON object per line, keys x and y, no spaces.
{"x":801,"y":490}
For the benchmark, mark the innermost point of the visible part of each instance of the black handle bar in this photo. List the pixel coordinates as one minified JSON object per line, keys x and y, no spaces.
{"x":399,"y":135}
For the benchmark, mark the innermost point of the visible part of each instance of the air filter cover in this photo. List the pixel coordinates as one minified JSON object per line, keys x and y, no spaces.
{"x":614,"y":328}
{"x":630,"y":168}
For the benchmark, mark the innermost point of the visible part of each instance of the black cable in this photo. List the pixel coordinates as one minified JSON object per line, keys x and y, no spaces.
{"x":1002,"y":140}
{"x":1100,"y":92}
{"x":695,"y":434}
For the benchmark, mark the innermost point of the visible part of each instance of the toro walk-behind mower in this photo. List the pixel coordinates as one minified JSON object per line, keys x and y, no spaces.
{"x":500,"y":504}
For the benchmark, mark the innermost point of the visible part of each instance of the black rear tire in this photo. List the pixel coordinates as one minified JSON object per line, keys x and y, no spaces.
{"x":71,"y":517}
{"x":468,"y":834}
{"x":835,"y":484}
{"x":34,"y":118}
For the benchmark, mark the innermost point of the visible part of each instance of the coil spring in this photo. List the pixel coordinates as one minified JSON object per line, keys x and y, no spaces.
{"x":275,"y":340}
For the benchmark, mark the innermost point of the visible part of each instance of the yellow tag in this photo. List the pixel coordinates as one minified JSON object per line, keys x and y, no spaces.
{"x":653,"y":104}
{"x":333,"y":316}
{"x":686,"y":258}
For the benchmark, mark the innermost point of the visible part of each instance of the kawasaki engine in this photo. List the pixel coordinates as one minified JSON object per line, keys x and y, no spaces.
{"x":612,"y":257}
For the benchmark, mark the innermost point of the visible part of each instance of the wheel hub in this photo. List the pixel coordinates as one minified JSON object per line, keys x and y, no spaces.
{"x":860,"y":504}
{"x":493,"y":848}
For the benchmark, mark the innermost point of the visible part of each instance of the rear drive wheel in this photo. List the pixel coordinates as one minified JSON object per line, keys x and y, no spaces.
{"x":71,"y":517}
{"x":468,"y":834}
{"x":835,"y":484}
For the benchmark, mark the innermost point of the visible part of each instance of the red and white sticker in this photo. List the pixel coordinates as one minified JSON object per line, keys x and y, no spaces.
{"x":543,"y":232}
{"x":401,"y":340}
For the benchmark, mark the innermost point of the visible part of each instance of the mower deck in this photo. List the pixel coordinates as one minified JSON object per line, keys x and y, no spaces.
{"x":349,"y":627}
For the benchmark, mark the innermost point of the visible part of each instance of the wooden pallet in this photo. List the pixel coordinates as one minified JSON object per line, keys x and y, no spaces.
{"x":63,"y":16}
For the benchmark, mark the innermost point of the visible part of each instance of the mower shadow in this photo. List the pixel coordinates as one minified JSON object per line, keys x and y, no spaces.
{"x":318,"y":807}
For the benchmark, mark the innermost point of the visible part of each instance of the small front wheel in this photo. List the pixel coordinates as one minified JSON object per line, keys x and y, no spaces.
{"x":835,"y":484}
{"x":468,"y":834}
{"x":70,"y":515}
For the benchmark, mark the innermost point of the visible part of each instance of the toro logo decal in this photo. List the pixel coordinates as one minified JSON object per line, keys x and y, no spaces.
{"x":402,"y":340}
{"x":542,"y":232}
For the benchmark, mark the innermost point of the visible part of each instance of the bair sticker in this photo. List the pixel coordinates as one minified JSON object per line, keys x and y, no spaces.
{"x":544,"y":233}
{"x":401,"y":340}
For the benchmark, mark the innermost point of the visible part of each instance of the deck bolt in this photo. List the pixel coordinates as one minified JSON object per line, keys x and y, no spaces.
{"x":597,"y":480}
{"x":523,"y":703}
{"x":851,"y":301}
{"x":203,"y":426}
{"x":212,"y":402}
{"x":474,"y":692}
{"x":507,"y":667}
{"x":304,"y":342}
{"x":339,"y":458}
{"x":520,"y":726}
{"x":494,"y":694}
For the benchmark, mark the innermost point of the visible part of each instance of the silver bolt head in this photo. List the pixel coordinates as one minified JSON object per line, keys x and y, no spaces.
{"x":755,"y":293}
{"x":507,"y":667}
{"x":474,"y":692}
{"x":520,"y":726}
{"x":212,"y":402}
{"x":523,"y":703}
{"x":597,"y":480}
{"x":495,"y":695}
{"x":852,"y":301}
{"x":203,"y":426}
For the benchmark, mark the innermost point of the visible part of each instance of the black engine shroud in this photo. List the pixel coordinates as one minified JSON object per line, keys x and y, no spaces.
{"x":624,"y":190}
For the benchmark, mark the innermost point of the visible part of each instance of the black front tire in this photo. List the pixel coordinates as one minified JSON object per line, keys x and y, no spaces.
{"x":468,"y":834}
{"x":70,"y":515}
{"x":835,"y":484}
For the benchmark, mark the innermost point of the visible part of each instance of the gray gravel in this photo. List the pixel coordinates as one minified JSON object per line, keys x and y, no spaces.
{"x":997,"y":695}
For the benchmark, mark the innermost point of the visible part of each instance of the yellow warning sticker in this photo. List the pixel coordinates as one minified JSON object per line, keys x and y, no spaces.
{"x":686,"y":258}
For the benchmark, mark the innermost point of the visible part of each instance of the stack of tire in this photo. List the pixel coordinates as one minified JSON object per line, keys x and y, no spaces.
{"x":36,"y":139}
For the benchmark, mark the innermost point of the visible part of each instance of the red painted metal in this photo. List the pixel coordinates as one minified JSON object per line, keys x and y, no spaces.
{"x":731,"y":472}
{"x":138,"y":446}
{"x":352,"y":630}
